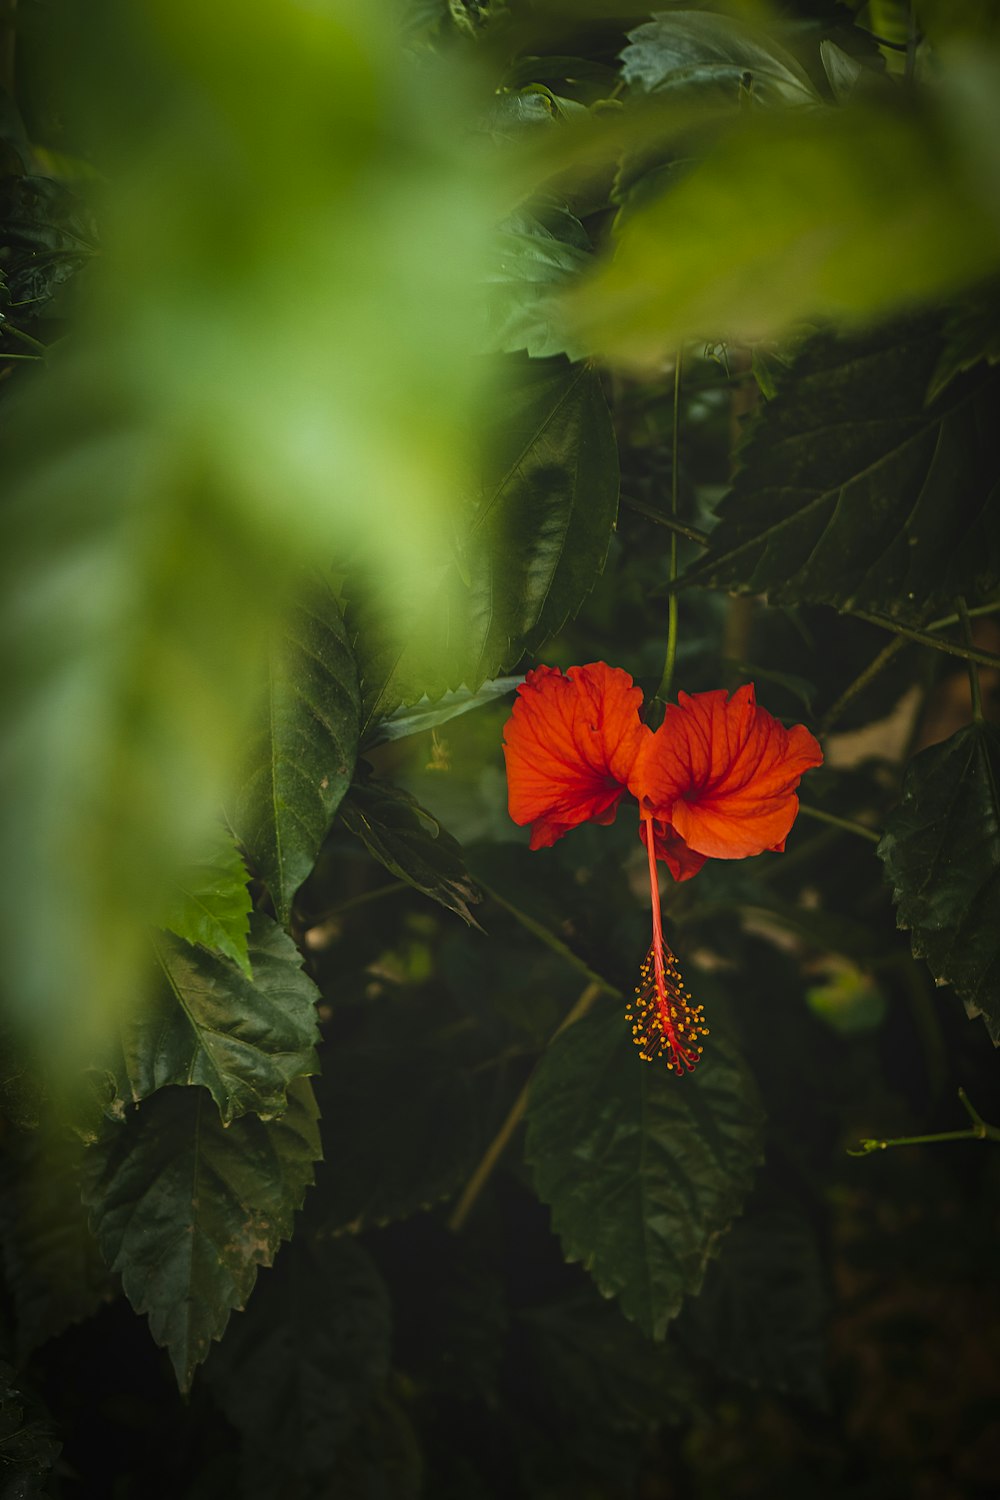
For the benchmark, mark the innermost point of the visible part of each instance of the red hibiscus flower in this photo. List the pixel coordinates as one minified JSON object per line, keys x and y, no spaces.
{"x":716,"y":781}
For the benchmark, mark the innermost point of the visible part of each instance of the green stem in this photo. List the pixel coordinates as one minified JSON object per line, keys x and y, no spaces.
{"x":978,"y":1131}
{"x":540,"y":931}
{"x":663,"y":691}
{"x":861,"y":682}
{"x":924,"y":638}
{"x":25,"y":338}
{"x":700,"y":538}
{"x":847,"y":824}
{"x":974,"y":688}
{"x":500,"y":1142}
{"x":376,"y":895}
{"x":33,"y":357}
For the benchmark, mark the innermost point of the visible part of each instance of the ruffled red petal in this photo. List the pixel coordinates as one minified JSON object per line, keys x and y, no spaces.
{"x":570,"y":745}
{"x":723,"y":773}
{"x":668,"y":845}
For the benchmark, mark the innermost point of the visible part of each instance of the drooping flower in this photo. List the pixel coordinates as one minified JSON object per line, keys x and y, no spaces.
{"x":570,"y":745}
{"x":717,"y":780}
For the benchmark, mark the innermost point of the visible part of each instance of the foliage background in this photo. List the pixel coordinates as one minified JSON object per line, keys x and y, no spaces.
{"x":339,"y":383}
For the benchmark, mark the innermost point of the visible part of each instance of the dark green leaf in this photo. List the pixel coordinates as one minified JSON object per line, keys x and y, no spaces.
{"x":535,"y":253}
{"x":425,"y":715}
{"x":941,"y":851}
{"x":213,"y":905}
{"x":186,"y":1209}
{"x":760,"y":1315}
{"x":301,"y":760}
{"x":535,"y":542}
{"x":398,"y":1120}
{"x":853,"y":493}
{"x":51,"y":1262}
{"x":297,"y":1369}
{"x":643,"y":1171}
{"x":691,"y":50}
{"x":410,"y":843}
{"x":28,"y":1443}
{"x":244,"y":1039}
{"x":47,"y":235}
{"x":382,"y":1459}
{"x":971,"y":334}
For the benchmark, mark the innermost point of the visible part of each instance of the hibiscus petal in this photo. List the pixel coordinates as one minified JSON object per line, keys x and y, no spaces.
{"x":723,"y":772}
{"x":570,"y":745}
{"x":680,"y":860}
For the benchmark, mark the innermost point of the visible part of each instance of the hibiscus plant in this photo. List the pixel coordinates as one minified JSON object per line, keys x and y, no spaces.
{"x":501,"y":932}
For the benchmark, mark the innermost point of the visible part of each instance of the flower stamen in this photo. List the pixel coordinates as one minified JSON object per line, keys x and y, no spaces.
{"x":665,"y":1020}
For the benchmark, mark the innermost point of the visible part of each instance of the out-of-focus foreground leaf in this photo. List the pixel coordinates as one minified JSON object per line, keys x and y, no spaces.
{"x":802,"y":214}
{"x":244,"y":1039}
{"x":211,"y":904}
{"x":643,"y":1171}
{"x":187,"y":1209}
{"x":941,"y":851}
{"x":535,"y":539}
{"x":274,"y":363}
{"x":852,"y":491}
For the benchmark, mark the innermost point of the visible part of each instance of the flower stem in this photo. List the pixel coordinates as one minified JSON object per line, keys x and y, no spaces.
{"x":974,"y":688}
{"x":977,"y":1131}
{"x":847,"y":824}
{"x":924,"y":638}
{"x":499,"y":1143}
{"x":663,"y":691}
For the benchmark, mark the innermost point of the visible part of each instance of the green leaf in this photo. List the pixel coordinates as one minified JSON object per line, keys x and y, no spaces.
{"x":29,"y":1446}
{"x":971,"y":334}
{"x":301,"y":759}
{"x":760,"y":1317}
{"x":244,"y":1039}
{"x":295,"y":1372}
{"x":535,"y":542}
{"x":186,"y":1209}
{"x":941,"y":851}
{"x":832,"y":214}
{"x":643,"y":1171}
{"x":212,"y":906}
{"x":535,"y":254}
{"x":687,"y":50}
{"x":52,"y":1266}
{"x":852,"y":492}
{"x":47,"y":236}
{"x":399,"y":1126}
{"x":411,"y":844}
{"x":425,"y":715}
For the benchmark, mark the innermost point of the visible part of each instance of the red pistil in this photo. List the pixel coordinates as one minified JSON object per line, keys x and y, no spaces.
{"x":665,"y":1020}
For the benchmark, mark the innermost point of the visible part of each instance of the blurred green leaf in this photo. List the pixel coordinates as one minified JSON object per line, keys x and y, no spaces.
{"x":643,"y":1171}
{"x":412,"y":845}
{"x":852,"y":492}
{"x":845,"y":214}
{"x":244,"y":1039}
{"x":212,"y":906}
{"x":535,"y":253}
{"x":301,"y":758}
{"x":295,"y":1371}
{"x":186,"y":1209}
{"x":52,"y":1266}
{"x":941,"y":851}
{"x":694,"y":50}
{"x":535,"y":543}
{"x":398,"y":1122}
{"x":761,"y":1315}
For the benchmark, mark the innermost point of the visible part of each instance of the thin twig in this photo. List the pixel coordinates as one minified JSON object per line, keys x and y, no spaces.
{"x":924,"y":638}
{"x":663,"y":691}
{"x":847,"y":824}
{"x":497,"y":1146}
{"x":974,"y":688}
